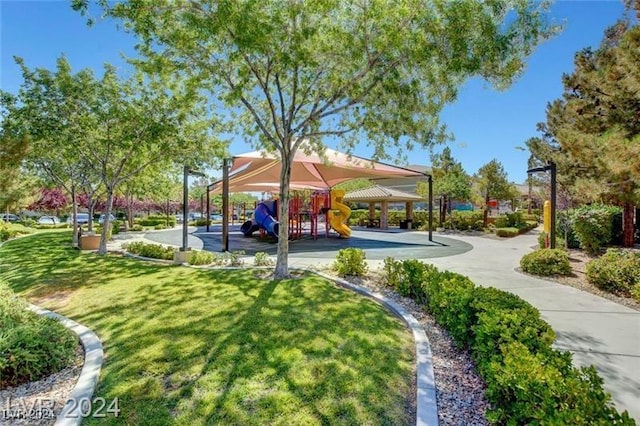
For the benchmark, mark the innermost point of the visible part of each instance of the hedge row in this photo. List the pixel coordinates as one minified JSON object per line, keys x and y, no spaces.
{"x":31,"y":346}
{"x":528,"y":382}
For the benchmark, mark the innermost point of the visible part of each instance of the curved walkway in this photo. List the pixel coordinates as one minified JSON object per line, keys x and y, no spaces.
{"x":597,"y":331}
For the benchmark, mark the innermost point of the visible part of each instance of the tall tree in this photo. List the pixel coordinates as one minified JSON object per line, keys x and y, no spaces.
{"x":293,"y":72}
{"x":48,"y":110}
{"x":597,"y":122}
{"x":450,"y":181}
{"x":492,"y":183}
{"x":13,"y":150}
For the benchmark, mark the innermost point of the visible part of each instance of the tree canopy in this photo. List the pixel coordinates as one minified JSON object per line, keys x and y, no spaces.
{"x":110,"y":130}
{"x":450,"y":181}
{"x":372,"y":72}
{"x":492,"y":183}
{"x":593,"y":131}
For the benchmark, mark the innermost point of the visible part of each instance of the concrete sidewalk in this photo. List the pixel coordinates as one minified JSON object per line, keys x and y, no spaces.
{"x":597,"y":331}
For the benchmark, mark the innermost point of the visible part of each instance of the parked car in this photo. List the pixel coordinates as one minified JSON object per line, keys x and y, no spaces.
{"x":101,"y":220}
{"x":216,"y":216}
{"x":83,"y":218}
{"x":8,"y":217}
{"x":179,"y":218}
{"x":48,"y":220}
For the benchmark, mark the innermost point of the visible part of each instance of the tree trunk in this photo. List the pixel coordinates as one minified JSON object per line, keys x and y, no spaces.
{"x":443,"y":212}
{"x":107,"y":223}
{"x":485,"y":219}
{"x":74,"y":216}
{"x":628,"y":229}
{"x":91,"y":205}
{"x":282,"y":260}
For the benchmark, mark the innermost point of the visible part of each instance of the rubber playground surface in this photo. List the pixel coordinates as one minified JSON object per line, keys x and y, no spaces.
{"x":399,"y":244}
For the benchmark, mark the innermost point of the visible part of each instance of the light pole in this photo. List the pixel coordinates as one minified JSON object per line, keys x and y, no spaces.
{"x":552,"y":168}
{"x":185,"y":204}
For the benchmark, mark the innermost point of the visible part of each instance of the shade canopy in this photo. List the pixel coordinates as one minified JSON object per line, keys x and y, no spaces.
{"x":260,"y":172}
{"x":379,"y":193}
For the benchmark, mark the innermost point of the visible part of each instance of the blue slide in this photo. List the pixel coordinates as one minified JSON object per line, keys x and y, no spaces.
{"x":263,"y":218}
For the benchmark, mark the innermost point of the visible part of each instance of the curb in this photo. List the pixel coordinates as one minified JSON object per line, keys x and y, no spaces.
{"x":426,"y":404}
{"x":71,"y":414}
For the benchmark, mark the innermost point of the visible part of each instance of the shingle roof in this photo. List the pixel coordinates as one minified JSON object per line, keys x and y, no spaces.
{"x":381,"y":193}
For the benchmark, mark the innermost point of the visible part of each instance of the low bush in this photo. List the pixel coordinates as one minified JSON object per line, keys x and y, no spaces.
{"x":31,"y":346}
{"x":528,"y":382}
{"x":160,"y":226}
{"x":507,"y":232}
{"x":530,"y":217}
{"x":201,"y":257}
{"x":154,"y":220}
{"x":546,"y":262}
{"x":466,"y":220}
{"x":200,"y":222}
{"x":502,"y":222}
{"x":116,"y":225}
{"x":137,"y":228}
{"x":542,"y":241}
{"x":11,"y":230}
{"x":351,"y":261}
{"x":616,"y":270}
{"x":153,"y":251}
{"x":262,"y":259}
{"x":235,"y":258}
{"x":407,"y":277}
{"x":593,"y":226}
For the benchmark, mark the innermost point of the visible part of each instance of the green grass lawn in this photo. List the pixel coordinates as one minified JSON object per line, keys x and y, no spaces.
{"x":188,"y":346}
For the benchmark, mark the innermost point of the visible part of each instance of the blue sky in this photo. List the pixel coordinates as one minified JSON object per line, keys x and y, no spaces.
{"x":486,"y":124}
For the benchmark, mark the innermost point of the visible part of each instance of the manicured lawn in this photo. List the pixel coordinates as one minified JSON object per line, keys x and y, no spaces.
{"x":187,"y":346}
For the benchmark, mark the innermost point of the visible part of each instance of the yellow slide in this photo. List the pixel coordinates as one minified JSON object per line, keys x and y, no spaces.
{"x":337,"y":219}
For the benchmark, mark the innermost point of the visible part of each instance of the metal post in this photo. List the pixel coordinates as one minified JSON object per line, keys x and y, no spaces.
{"x":202,"y":204}
{"x":185,"y":209}
{"x":552,"y":234}
{"x":225,"y":204}
{"x":208,"y":208}
{"x":430,"y":208}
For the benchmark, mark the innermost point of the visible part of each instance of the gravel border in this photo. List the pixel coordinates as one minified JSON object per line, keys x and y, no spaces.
{"x":93,"y":359}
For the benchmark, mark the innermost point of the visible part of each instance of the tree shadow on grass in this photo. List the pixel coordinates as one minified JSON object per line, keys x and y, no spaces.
{"x":224,"y":347}
{"x":46,"y":264}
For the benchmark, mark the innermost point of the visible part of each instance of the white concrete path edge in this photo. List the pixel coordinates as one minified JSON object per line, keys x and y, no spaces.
{"x":93,"y":358}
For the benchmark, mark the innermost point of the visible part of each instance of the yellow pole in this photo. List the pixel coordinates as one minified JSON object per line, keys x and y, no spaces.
{"x":546,"y":222}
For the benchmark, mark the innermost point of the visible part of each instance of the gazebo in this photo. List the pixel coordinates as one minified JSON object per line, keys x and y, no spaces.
{"x":384,"y":196}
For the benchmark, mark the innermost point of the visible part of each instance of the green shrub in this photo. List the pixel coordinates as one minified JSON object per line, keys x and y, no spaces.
{"x":530,"y":217}
{"x":154,"y":220}
{"x":514,"y":219}
{"x":466,"y":220}
{"x":407,"y":277}
{"x":542,"y":237}
{"x":159,"y":227}
{"x":546,"y":262}
{"x":31,"y":346}
{"x":502,"y":222}
{"x":200,"y":257}
{"x":202,"y":222}
{"x":116,"y":226}
{"x":449,"y":299}
{"x":507,"y":232}
{"x":616,"y":270}
{"x":153,"y":251}
{"x":539,"y":388}
{"x":262,"y":259}
{"x":350,"y":261}
{"x":565,"y":230}
{"x":137,"y":228}
{"x":528,"y":382}
{"x":593,"y":226}
{"x":235,"y":258}
{"x":500,"y":318}
{"x":11,"y":230}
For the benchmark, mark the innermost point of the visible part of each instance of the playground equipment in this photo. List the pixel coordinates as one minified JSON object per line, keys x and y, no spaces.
{"x":339,"y":213}
{"x":263,"y":218}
